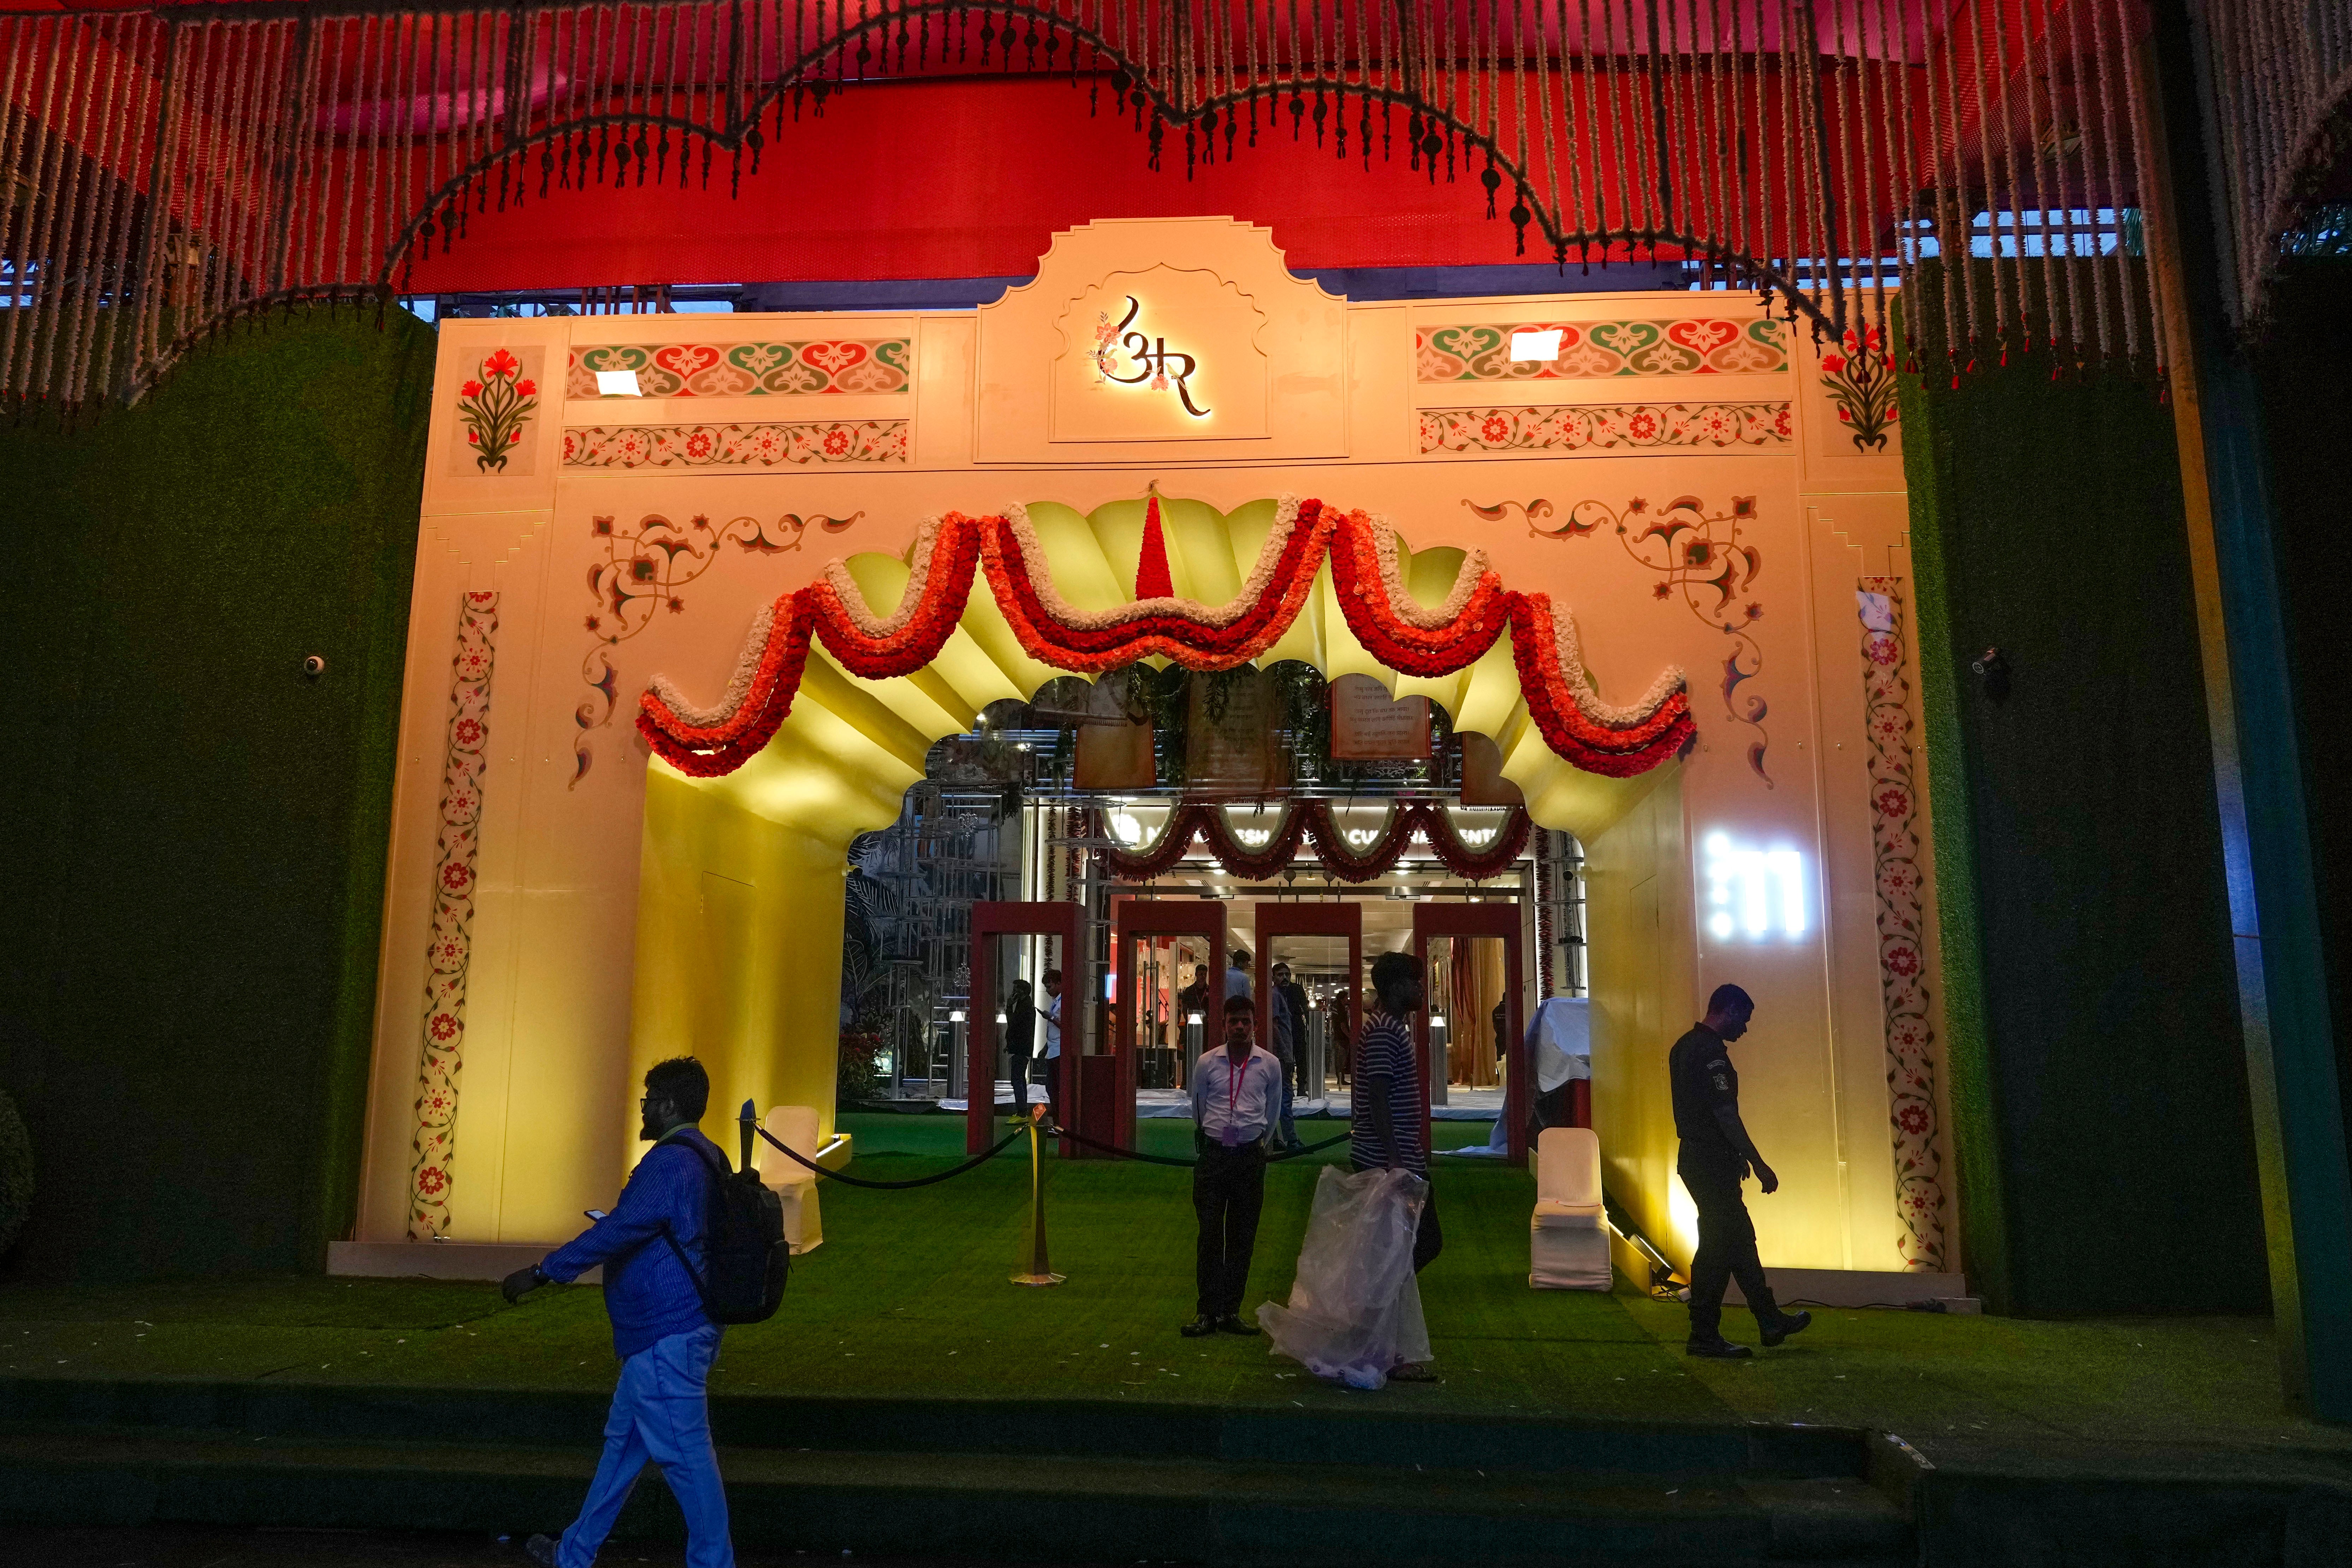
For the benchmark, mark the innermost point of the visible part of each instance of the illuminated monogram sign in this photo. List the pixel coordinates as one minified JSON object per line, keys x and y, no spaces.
{"x":1139,"y":359}
{"x":1156,"y":353}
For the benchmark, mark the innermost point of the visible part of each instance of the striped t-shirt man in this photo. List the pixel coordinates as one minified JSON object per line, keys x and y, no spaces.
{"x":1385,"y":1052}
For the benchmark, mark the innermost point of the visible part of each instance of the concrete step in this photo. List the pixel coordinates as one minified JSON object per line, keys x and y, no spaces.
{"x":1389,"y":1433}
{"x":1039,"y":1508}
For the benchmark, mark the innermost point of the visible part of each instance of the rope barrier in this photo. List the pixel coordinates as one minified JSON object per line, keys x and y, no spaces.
{"x":1164,"y":1160}
{"x":976,"y":1161}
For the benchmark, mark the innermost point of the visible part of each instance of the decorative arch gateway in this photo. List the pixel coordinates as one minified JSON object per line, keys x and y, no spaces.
{"x":1611,"y":739}
{"x":190,"y":165}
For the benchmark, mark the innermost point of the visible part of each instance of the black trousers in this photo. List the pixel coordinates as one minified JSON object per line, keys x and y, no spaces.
{"x":1428,"y":1237}
{"x":1228,"y":1191}
{"x":1017,"y":1069}
{"x":1727,"y":1241}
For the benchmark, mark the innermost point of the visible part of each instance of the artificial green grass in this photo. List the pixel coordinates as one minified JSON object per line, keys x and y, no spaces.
{"x":910,"y":1296}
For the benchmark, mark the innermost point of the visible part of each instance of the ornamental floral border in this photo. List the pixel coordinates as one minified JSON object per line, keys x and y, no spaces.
{"x":644,"y":567}
{"x":1602,"y":427}
{"x":1694,"y":551}
{"x":1598,"y":350}
{"x":816,"y":368}
{"x":869,"y":441}
{"x":1902,"y":936}
{"x":449,"y":947}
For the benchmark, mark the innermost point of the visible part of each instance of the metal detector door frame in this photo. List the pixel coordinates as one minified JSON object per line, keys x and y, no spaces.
{"x":990,"y":919}
{"x":1151,"y":917}
{"x":1433,"y":917}
{"x":1335,"y":917}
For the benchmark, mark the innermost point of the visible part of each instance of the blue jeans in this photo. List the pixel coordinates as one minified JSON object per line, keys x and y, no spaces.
{"x":660,"y":1411}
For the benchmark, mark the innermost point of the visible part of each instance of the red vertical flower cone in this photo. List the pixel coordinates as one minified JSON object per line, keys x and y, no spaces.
{"x":1151,"y":578}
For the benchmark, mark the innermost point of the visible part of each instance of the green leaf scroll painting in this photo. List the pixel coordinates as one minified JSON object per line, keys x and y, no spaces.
{"x":1861,"y":382}
{"x":496,"y":408}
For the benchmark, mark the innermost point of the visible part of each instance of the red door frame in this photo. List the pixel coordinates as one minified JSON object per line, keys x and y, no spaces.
{"x":1434,"y":918}
{"x":993,"y":919}
{"x":1153,"y":917}
{"x":1340,"y":916}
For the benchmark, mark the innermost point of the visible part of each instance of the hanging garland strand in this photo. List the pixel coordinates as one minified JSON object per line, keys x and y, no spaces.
{"x":277,"y":154}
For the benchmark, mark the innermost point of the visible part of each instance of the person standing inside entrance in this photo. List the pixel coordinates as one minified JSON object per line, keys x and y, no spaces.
{"x":1020,"y":1042}
{"x":662,"y":1332}
{"x":1387,"y":1131}
{"x":1053,"y":982}
{"x":1286,"y":1005}
{"x":1716,"y":1156}
{"x":1237,"y":977}
{"x":1237,"y":1095}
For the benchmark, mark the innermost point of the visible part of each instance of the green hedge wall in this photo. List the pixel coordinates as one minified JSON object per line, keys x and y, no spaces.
{"x":2106,"y":1146}
{"x":193,"y":905}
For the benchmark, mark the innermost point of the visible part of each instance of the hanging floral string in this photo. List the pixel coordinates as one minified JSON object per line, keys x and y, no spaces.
{"x":1310,"y":824}
{"x":185,"y":167}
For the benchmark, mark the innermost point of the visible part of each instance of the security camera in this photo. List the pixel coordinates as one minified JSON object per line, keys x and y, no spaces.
{"x":314,"y":666}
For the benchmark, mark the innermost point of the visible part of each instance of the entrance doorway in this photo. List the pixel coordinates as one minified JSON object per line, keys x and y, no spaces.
{"x":992,"y":983}
{"x":1157,"y":1026}
{"x":1474,"y":1013}
{"x":1322,"y":946}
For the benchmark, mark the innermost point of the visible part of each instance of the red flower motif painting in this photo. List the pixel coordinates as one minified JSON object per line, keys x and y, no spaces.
{"x":495,"y":408}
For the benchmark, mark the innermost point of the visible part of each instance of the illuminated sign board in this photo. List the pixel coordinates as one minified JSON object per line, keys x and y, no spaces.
{"x":1752,"y":893}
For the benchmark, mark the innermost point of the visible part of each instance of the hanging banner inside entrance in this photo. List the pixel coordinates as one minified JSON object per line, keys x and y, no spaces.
{"x":1229,"y":748}
{"x":1368,"y":727}
{"x":1114,"y":748}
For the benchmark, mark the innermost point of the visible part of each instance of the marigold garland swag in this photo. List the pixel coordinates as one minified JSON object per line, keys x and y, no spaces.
{"x":1310,"y":821}
{"x":1617,"y":739}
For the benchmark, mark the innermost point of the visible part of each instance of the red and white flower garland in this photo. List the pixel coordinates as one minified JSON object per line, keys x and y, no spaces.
{"x":1620,"y":741}
{"x":1310,"y":822}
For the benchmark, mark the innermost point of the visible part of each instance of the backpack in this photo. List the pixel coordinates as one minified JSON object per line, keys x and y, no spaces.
{"x":744,"y":1243}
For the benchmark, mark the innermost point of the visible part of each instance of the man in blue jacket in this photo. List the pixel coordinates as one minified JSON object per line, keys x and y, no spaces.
{"x":665,"y":1338}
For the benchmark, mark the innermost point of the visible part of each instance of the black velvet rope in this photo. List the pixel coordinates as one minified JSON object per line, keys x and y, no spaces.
{"x":972,"y":1163}
{"x":1164,"y":1160}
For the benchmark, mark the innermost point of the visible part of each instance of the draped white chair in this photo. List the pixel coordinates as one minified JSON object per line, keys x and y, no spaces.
{"x":795,"y":1126}
{"x":1569,"y":1238}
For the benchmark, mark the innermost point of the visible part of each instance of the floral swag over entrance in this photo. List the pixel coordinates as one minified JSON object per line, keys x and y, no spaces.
{"x":1617,"y":739}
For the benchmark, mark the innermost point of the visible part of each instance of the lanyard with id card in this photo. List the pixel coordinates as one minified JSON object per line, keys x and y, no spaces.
{"x":1232,"y":1134}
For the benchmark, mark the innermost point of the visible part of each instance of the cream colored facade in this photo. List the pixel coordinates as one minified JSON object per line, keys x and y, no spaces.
{"x":621,"y":913}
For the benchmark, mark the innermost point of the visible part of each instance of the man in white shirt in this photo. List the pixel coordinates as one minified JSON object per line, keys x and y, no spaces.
{"x":1053,"y":983}
{"x":1237,"y":1096}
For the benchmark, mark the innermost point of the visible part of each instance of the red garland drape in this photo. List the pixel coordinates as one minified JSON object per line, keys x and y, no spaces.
{"x":1310,"y":821}
{"x":1619,"y":743}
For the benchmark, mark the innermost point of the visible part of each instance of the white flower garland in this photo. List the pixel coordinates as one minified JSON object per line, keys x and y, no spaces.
{"x":738,"y":684}
{"x":1041,"y":579}
{"x":1401,"y":604}
{"x":918,"y":575}
{"x":1611,"y":716}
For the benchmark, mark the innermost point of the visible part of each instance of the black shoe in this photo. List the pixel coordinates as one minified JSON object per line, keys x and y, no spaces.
{"x":1199,"y":1328}
{"x":1232,"y":1324}
{"x":1787,"y":1324}
{"x":1717,"y":1350}
{"x":541,"y":1549}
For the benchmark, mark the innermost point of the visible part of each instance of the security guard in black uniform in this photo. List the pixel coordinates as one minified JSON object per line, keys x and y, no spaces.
{"x":1716,"y":1156}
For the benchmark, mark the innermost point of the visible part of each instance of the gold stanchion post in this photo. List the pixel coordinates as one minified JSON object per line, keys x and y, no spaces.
{"x":1040,"y":1271}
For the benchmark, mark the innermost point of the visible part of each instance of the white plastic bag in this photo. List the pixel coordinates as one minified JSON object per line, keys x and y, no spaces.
{"x":1355,"y":1308}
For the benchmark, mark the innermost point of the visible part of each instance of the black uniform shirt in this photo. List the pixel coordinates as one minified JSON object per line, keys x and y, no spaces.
{"x":1699,"y":1067}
